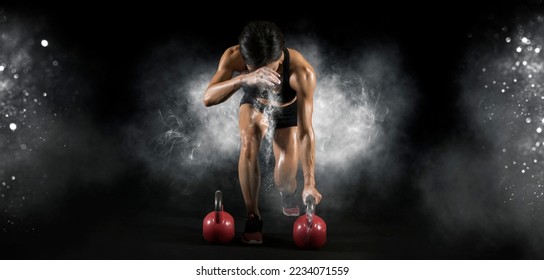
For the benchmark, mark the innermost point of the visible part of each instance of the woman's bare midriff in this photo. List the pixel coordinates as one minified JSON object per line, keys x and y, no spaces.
{"x":267,"y":102}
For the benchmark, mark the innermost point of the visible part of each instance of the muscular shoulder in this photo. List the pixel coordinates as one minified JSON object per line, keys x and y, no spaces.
{"x":302,"y":73}
{"x":232,"y":59}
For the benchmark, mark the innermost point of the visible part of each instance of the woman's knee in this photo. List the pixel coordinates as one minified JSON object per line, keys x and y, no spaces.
{"x":249,"y":143}
{"x":285,"y":180}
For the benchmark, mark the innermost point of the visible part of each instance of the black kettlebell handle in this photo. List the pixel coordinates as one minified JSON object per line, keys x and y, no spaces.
{"x":218,"y":205}
{"x":310,"y":205}
{"x":218,"y":201}
{"x":310,"y":210}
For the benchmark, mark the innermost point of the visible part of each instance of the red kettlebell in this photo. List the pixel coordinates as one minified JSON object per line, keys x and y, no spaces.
{"x":218,"y":226}
{"x":310,"y":231}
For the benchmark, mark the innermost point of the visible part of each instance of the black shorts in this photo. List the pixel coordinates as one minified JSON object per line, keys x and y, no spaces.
{"x":281,"y":117}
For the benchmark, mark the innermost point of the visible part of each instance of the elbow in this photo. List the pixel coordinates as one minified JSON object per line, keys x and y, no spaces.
{"x":207,"y":101}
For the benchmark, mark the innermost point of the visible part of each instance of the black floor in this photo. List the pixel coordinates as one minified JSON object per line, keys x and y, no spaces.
{"x":163,"y":230}
{"x":164,"y":234}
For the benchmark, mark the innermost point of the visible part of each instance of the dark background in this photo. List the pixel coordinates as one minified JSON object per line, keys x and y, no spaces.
{"x":112,"y":40}
{"x":131,"y":215}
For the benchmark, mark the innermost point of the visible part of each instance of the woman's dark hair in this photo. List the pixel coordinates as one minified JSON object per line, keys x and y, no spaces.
{"x":261,"y":42}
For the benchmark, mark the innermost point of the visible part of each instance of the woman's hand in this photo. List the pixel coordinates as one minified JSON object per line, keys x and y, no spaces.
{"x":263,"y":76}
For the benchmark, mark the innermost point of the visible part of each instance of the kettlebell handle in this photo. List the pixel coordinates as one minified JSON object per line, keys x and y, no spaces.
{"x":310,"y":204}
{"x":218,"y":200}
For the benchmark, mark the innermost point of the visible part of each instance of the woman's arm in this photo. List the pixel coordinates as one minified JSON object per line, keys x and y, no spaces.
{"x":222,"y":85}
{"x":303,"y":81}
